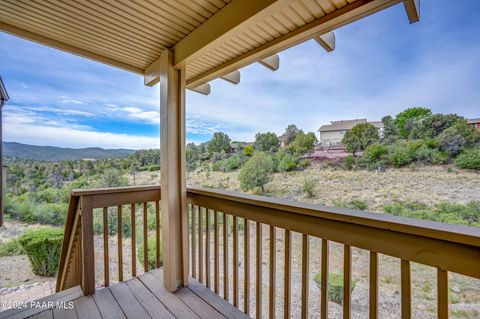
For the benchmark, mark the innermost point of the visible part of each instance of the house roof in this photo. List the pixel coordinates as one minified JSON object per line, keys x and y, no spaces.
{"x":211,"y":38}
{"x":347,"y":125}
{"x":3,"y":92}
{"x":474,"y":121}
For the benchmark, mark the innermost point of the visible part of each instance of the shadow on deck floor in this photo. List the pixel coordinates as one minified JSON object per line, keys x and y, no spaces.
{"x":140,"y":297}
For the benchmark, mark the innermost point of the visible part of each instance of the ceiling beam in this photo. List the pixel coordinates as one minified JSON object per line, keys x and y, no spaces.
{"x":202,"y":89}
{"x":152,"y":73}
{"x":232,"y":77}
{"x":67,"y":47}
{"x":327,"y":41}
{"x":412,"y":7}
{"x":235,"y":16}
{"x":350,"y":13}
{"x":272,"y":62}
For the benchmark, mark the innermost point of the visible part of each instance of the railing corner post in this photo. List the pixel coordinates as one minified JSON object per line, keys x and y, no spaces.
{"x":88,"y":252}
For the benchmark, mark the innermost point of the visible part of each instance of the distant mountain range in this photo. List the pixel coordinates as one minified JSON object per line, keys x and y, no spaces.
{"x":52,"y":153}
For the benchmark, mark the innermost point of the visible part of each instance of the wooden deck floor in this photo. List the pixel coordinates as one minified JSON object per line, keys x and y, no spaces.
{"x":140,"y":297}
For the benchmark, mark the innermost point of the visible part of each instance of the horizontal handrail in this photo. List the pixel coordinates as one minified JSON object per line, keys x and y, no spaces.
{"x":105,"y":197}
{"x":113,"y":190}
{"x":431,"y":229}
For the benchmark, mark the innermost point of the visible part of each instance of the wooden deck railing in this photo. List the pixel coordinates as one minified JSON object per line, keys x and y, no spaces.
{"x":448,"y":248}
{"x":221,"y":222}
{"x":77,"y":261}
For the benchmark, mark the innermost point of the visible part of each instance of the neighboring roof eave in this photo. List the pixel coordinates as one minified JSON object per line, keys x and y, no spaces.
{"x":3,"y":92}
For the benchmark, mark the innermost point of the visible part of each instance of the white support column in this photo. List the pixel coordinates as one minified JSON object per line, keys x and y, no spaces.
{"x":173,"y":184}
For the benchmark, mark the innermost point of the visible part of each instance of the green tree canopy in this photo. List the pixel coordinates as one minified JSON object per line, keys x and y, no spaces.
{"x":266,"y":142}
{"x":433,"y":125}
{"x":390,"y":129}
{"x":219,"y":142}
{"x":360,"y":136}
{"x":405,"y":120}
{"x":290,"y":133}
{"x":303,"y":143}
{"x":192,"y":154}
{"x":256,"y":172}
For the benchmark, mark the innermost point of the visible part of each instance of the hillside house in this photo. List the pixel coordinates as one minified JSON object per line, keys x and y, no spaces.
{"x":332,"y":134}
{"x":475,"y":123}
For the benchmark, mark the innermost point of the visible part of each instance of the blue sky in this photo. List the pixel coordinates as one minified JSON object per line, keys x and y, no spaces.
{"x":381,"y":65}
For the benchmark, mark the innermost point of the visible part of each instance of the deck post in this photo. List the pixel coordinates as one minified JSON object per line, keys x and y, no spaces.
{"x":173,"y":179}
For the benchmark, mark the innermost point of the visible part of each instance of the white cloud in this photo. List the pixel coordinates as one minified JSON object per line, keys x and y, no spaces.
{"x":152,"y":117}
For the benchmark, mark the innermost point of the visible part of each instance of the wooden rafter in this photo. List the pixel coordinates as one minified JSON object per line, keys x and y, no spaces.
{"x":352,"y":12}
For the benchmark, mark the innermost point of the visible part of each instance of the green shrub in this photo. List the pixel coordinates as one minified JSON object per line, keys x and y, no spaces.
{"x":256,"y":172}
{"x":374,"y":153}
{"x":11,"y":248}
{"x":50,"y":214}
{"x":335,"y":286}
{"x":349,"y":162}
{"x":309,"y":187}
{"x":232,"y":163}
{"x":398,"y":155}
{"x":464,"y":214}
{"x":352,"y":204}
{"x":286,"y":162}
{"x":248,"y":150}
{"x":153,"y":168}
{"x":152,"y":253}
{"x":469,"y":159}
{"x":43,"y":247}
{"x":217,"y":166}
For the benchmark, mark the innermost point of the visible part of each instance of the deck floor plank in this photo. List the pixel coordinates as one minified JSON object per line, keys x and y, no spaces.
{"x":129,"y":304}
{"x":47,"y":314}
{"x":198,"y":305}
{"x":150,"y":303}
{"x":87,"y":308}
{"x":64,"y":313}
{"x":169,"y":300}
{"x":202,"y":308}
{"x":107,"y":305}
{"x":219,"y":304}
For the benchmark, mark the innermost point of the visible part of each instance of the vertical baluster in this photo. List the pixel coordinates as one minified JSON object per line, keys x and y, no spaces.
{"x":207,"y":247}
{"x":246,"y":238}
{"x":120,"y":250}
{"x":216,"y":252}
{"x":200,"y":245}
{"x":373,"y":285}
{"x":347,"y":278}
{"x":194,"y":246}
{"x":324,"y":283}
{"x":405,"y":288}
{"x":305,"y":270}
{"x":134,"y":241}
{"x":273,"y":259}
{"x":288,"y":275}
{"x":225,"y":257}
{"x":259,"y":271}
{"x":157,"y":233}
{"x":106,"y":270}
{"x":442,"y":294}
{"x":235,"y":261}
{"x":145,"y":238}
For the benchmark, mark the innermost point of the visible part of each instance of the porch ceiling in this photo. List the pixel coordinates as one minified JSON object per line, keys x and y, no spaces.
{"x":210,"y":37}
